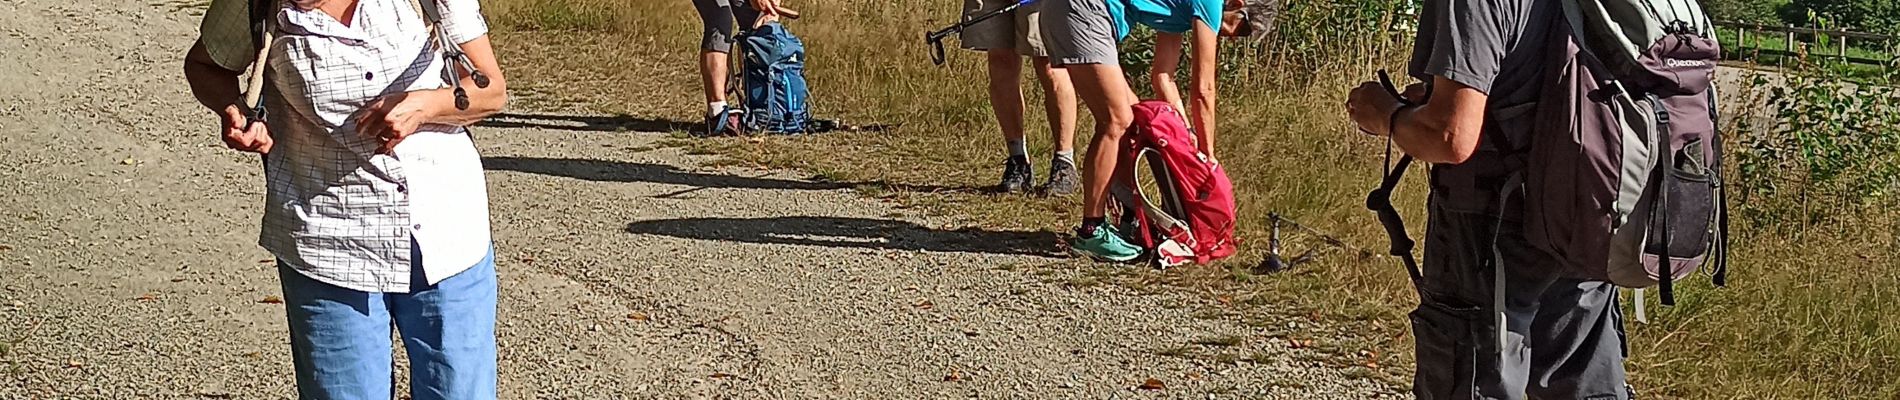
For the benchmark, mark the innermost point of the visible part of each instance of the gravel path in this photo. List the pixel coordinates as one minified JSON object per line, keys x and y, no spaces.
{"x":629,"y":270}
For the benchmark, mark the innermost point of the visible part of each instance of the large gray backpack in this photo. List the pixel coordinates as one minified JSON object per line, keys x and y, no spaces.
{"x":1623,"y":174}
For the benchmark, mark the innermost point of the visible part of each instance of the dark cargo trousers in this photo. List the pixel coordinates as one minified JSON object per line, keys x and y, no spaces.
{"x":1563,"y":338}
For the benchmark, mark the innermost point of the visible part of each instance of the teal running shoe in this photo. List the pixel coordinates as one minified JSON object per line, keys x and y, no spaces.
{"x":1104,"y":244}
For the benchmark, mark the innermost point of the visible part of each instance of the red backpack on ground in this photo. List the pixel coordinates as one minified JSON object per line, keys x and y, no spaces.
{"x":1192,"y":218}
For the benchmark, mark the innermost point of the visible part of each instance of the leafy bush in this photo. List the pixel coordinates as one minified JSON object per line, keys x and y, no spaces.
{"x":1749,"y":11}
{"x":1833,"y":146}
{"x":1878,"y":16}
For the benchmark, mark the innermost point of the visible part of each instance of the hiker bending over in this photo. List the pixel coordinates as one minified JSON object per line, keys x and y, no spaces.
{"x":375,"y":207}
{"x":721,"y":20}
{"x":1005,"y":40}
{"x":1082,"y":37}
{"x":1561,"y":338}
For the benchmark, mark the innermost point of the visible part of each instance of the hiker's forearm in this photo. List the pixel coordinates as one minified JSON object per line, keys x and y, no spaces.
{"x":214,"y":87}
{"x":1447,"y":129}
{"x":482,"y":102}
{"x":1206,"y":87}
{"x":1201,"y":111}
{"x":1167,"y":62}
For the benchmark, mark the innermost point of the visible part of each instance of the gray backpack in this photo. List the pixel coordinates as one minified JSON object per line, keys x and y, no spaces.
{"x":1621,"y":168}
{"x":1623,"y":172}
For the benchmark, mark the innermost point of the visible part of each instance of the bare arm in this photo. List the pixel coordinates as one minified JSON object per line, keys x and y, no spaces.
{"x":1205,"y":90}
{"x":217,"y":89}
{"x":483,"y":102}
{"x":393,"y":118}
{"x":214,"y":86}
{"x":1445,"y":130}
{"x":1167,"y":62}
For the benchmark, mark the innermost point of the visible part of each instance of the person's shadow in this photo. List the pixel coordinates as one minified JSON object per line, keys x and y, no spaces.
{"x":616,"y":171}
{"x":845,"y":232}
{"x":614,"y":123}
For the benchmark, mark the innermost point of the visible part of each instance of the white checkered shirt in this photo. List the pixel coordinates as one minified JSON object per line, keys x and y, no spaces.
{"x":336,"y":210}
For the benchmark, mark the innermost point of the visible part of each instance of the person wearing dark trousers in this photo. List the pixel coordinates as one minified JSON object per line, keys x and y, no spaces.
{"x":1498,"y":319}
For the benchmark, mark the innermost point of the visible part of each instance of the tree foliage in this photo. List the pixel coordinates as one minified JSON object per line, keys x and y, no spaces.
{"x":1877,"y":16}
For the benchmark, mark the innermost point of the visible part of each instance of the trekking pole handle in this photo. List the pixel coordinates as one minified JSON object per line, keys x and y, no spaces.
{"x":935,"y":40}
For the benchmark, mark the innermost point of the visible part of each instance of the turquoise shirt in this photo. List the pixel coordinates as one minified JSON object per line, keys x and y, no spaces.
{"x":1171,"y":16}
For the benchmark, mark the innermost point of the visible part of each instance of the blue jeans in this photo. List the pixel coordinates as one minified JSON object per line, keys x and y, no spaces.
{"x":340,"y":338}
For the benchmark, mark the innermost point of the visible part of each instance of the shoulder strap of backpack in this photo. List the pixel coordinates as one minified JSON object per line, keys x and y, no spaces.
{"x":263,"y":31}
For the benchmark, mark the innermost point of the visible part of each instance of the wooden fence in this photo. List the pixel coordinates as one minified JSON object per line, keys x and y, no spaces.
{"x":1794,"y":39}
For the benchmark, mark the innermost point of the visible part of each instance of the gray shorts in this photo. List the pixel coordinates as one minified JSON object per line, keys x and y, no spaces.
{"x":721,"y":18}
{"x":1562,"y":338}
{"x":1021,"y":31}
{"x":1079,"y":32}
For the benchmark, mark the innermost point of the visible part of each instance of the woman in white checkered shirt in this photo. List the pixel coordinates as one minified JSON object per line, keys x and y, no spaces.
{"x":376,"y":208}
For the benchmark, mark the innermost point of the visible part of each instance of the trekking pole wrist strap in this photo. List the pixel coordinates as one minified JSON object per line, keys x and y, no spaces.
{"x":1392,"y":121}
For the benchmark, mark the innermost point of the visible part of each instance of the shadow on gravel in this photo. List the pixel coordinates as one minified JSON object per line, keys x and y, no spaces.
{"x":616,"y":171}
{"x":616,"y":123}
{"x":863,"y":233}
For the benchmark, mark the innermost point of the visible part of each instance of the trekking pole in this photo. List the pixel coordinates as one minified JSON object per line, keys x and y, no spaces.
{"x":935,"y":38}
{"x":1273,"y":263}
{"x":1380,"y":199}
{"x":456,"y":62}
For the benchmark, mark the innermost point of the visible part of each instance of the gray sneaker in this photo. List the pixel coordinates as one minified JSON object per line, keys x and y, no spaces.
{"x":1016,"y":175}
{"x":1063,"y":180}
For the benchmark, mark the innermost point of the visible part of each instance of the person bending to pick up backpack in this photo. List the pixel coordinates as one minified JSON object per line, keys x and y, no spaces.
{"x":721,"y":20}
{"x":1005,"y":41}
{"x":1082,"y":37}
{"x":376,"y":208}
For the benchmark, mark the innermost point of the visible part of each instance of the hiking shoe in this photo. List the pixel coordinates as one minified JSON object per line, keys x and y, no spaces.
{"x":726,"y":122}
{"x":1063,"y":180}
{"x":1103,"y":244}
{"x":1016,"y":175}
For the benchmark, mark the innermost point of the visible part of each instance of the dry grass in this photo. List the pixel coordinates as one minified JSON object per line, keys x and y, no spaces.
{"x":1805,"y":319}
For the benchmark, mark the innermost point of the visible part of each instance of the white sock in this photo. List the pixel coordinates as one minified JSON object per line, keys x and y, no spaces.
{"x":715,"y":107}
{"x":1018,"y":148}
{"x":1066,"y":157}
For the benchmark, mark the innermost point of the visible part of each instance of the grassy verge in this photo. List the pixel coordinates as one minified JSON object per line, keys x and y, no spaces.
{"x":1802,"y":320}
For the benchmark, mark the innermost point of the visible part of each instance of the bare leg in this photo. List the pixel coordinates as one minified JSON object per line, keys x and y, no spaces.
{"x":1059,"y":101}
{"x":1112,"y":102}
{"x":712,"y":75}
{"x":1006,"y":93}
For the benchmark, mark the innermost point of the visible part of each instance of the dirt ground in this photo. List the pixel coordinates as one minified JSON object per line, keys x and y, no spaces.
{"x":629,"y":269}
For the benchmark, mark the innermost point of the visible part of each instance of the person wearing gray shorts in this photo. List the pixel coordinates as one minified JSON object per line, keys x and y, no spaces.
{"x":1082,"y":37}
{"x":721,"y":20}
{"x":1005,"y":40}
{"x":1498,"y":317}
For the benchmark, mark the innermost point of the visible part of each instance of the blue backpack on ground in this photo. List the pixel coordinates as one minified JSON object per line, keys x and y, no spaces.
{"x":774,"y":75}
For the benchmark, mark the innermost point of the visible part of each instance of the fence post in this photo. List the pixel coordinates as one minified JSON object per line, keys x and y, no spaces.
{"x":1790,"y":50}
{"x":1741,"y":40}
{"x":1844,"y":58}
